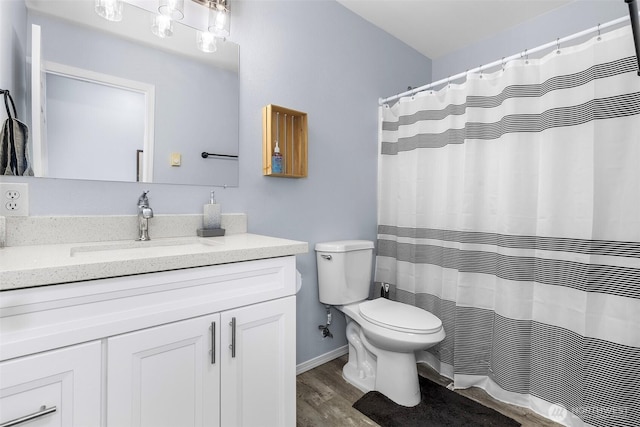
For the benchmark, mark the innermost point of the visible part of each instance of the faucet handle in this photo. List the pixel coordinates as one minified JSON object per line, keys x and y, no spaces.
{"x":143,"y":200}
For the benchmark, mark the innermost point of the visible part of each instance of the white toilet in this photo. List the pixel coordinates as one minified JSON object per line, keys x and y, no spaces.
{"x":383,"y":335}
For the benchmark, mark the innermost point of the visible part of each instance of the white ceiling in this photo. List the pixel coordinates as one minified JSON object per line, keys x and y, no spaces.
{"x":438,"y":27}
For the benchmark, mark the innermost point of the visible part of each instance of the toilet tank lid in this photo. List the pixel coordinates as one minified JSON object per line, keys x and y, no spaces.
{"x":344,"y":246}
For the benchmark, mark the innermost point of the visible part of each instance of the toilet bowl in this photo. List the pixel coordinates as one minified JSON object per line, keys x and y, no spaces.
{"x":382,"y":349}
{"x":383,"y":335}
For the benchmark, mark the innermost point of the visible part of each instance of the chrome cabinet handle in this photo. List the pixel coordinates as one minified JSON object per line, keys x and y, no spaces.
{"x":233,"y":336}
{"x":41,"y":413}
{"x":213,"y":342}
{"x":327,"y":257}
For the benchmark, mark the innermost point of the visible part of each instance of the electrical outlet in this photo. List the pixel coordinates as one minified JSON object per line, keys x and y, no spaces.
{"x":15,"y":199}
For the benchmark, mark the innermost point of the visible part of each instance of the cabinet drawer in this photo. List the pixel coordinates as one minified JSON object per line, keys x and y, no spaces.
{"x":67,"y":380}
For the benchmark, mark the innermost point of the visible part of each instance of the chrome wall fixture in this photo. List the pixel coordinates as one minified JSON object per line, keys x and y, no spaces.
{"x":219,"y":19}
{"x":219,"y":16}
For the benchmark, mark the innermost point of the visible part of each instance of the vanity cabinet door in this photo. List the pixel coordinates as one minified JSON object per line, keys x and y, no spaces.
{"x":166,"y":375}
{"x":258,"y":364}
{"x":54,"y":388}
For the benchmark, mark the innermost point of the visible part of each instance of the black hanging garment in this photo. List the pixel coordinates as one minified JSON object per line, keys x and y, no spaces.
{"x":14,"y":137}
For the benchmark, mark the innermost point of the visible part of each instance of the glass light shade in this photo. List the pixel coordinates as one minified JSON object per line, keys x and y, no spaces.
{"x":206,"y":41}
{"x":219,"y":21}
{"x":111,"y":10}
{"x":174,"y":9}
{"x":162,"y":26}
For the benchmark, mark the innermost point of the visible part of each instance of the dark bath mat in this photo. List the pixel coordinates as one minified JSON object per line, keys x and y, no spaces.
{"x":438,"y":407}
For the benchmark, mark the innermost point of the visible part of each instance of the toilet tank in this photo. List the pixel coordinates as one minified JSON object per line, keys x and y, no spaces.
{"x":344,"y":271}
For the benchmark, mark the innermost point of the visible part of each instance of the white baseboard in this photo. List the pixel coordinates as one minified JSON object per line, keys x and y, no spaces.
{"x":322,"y":359}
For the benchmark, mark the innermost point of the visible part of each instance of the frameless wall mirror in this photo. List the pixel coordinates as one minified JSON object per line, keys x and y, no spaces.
{"x":118,"y":103}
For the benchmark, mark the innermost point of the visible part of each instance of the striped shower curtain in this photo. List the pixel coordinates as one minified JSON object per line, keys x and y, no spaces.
{"x":509,"y":206}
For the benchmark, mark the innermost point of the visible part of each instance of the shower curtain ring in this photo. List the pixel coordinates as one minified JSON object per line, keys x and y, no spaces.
{"x":599,"y":38}
{"x":558,"y":45}
{"x":480,"y":68}
{"x":502,"y":62}
{"x":526,"y":56}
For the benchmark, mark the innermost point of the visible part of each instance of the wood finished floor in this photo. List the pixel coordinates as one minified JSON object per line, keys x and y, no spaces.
{"x":324,"y":398}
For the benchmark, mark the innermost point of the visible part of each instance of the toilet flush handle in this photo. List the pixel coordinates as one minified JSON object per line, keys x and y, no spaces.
{"x":327,"y":257}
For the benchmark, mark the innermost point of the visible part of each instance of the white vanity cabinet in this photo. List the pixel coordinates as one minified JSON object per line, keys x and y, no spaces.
{"x":229,"y":369}
{"x":206,"y":346}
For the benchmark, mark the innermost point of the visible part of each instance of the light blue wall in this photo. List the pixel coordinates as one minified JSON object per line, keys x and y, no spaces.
{"x":576,"y":16}
{"x":13,"y":24}
{"x":308,"y":55}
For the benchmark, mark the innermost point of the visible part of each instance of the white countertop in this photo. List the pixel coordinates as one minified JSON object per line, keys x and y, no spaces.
{"x":37,"y":265}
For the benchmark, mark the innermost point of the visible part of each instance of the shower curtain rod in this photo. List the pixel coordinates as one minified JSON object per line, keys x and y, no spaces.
{"x":524,"y":54}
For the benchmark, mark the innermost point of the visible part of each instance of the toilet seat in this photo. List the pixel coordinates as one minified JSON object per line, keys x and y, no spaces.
{"x":399,"y":317}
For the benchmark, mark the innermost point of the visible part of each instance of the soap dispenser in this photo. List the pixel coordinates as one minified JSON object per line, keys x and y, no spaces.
{"x":276,"y":160}
{"x":211,"y":219}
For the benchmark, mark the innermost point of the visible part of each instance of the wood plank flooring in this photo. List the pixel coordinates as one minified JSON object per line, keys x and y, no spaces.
{"x":324,"y":398}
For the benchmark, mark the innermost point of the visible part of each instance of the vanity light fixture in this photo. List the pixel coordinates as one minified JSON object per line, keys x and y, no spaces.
{"x":168,"y":11}
{"x":174,"y":9}
{"x":111,"y":10}
{"x":162,"y":26}
{"x":206,"y":41}
{"x":219,"y":19}
{"x":219,"y":16}
{"x":219,"y":24}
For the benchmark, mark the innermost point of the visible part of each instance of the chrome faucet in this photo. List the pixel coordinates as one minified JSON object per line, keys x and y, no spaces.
{"x":144,"y":213}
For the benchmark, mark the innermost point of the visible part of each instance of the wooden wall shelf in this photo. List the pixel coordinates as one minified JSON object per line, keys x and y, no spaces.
{"x":290,"y":128}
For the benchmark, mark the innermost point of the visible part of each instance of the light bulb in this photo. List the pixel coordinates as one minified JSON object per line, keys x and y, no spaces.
{"x":174,"y":9}
{"x":111,"y":10}
{"x":206,"y":41}
{"x":219,"y":22}
{"x":162,"y":26}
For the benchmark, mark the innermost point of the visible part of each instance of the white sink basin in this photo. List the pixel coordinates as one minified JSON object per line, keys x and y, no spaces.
{"x":158,"y":247}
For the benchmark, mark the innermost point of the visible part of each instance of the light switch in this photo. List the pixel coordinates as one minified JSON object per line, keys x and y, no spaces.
{"x":175,"y":159}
